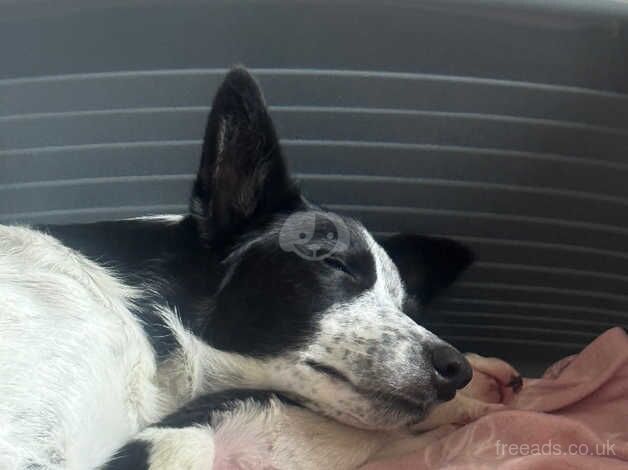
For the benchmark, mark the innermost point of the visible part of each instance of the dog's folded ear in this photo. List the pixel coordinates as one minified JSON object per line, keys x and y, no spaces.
{"x":242,"y":179}
{"x":427,"y":264}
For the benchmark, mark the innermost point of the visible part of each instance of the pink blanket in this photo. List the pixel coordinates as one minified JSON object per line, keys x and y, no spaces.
{"x":574,"y":417}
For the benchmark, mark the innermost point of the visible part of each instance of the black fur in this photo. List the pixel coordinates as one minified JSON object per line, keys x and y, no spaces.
{"x":133,"y":456}
{"x":427,"y":264}
{"x":242,"y":180}
{"x":223,"y":266}
{"x":267,"y":304}
{"x":168,"y":262}
{"x":203,"y":409}
{"x":271,"y":299}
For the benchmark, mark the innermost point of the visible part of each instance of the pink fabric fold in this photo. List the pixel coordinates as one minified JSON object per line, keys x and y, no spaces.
{"x":574,"y":417}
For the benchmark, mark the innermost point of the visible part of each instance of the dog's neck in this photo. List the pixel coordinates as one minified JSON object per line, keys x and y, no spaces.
{"x":177,"y":276}
{"x":164,"y":258}
{"x":195,"y":368}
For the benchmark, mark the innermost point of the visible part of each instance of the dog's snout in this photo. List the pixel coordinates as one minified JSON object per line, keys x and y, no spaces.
{"x":452,"y":371}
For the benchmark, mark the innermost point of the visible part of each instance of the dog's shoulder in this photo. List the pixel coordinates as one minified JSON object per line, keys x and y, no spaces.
{"x":67,"y":328}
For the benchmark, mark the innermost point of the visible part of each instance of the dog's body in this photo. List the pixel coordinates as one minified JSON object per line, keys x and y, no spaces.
{"x":107,"y":328}
{"x":75,"y":362}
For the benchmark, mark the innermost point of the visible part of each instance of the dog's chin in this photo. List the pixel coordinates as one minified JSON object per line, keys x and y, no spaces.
{"x":371,"y":410}
{"x":380,"y":417}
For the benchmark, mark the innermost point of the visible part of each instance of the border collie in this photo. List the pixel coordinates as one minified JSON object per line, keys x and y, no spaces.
{"x":172,"y":332}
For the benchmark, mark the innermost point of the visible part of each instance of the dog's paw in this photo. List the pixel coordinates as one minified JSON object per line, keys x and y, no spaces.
{"x":494,"y":380}
{"x":189,"y":448}
{"x":492,"y":387}
{"x":461,"y":410}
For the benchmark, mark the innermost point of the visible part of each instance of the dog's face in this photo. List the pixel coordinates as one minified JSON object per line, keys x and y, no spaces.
{"x":324,"y":308}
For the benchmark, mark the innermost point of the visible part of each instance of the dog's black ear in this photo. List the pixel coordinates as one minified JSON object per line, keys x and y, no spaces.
{"x":242,"y":179}
{"x":427,"y":264}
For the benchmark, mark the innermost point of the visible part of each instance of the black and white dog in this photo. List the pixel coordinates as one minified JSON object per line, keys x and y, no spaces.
{"x":109,"y":328}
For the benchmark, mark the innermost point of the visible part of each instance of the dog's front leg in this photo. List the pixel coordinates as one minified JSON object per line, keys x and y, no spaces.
{"x":247,"y":430}
{"x":164,"y":448}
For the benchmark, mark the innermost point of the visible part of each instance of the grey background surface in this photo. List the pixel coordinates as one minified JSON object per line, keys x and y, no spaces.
{"x":501,"y":123}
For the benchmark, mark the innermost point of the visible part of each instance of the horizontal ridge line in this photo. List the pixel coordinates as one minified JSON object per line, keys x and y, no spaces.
{"x":338,"y":143}
{"x":535,"y":305}
{"x":569,"y":193}
{"x":359,"y":73}
{"x":96,"y":180}
{"x":507,"y":328}
{"x":448,"y":212}
{"x":516,"y":242}
{"x":480,"y":214}
{"x":544,"y":245}
{"x":548,"y":290}
{"x":550,"y":269}
{"x":178,"y":208}
{"x":507,"y":316}
{"x":566,"y":193}
{"x":333,"y":109}
{"x":102,"y":145}
{"x":492,"y":339}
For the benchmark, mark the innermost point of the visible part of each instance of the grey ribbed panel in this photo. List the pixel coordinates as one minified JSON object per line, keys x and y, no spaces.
{"x":503,"y":124}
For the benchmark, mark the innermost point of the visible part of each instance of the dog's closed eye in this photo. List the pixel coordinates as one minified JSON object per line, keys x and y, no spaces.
{"x":327,"y":370}
{"x":339,"y":265}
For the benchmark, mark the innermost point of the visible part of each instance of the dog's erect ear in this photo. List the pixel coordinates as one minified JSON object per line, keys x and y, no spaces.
{"x":242,"y":180}
{"x":427,"y":264}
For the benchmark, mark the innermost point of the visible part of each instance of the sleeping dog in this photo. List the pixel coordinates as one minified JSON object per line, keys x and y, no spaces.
{"x":108,"y":328}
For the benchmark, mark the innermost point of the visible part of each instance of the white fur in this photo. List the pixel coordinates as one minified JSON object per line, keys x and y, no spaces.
{"x":189,"y":448}
{"x":79,"y":377}
{"x":308,"y":441}
{"x":370,"y":340}
{"x":273,"y":436}
{"x":77,"y":370}
{"x":197,"y":368}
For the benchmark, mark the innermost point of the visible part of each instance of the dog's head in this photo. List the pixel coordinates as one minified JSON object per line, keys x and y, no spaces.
{"x":310,"y":294}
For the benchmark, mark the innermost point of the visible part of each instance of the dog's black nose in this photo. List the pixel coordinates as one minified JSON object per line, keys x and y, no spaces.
{"x":452,"y":371}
